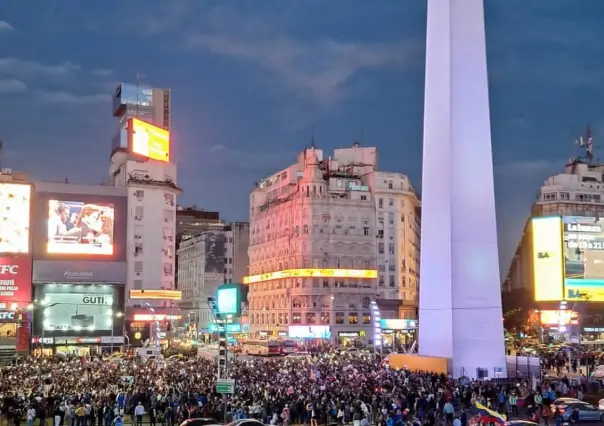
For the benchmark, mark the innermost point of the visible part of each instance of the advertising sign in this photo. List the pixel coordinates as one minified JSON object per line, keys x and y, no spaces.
{"x":76,"y":307}
{"x":228,"y":300}
{"x":558,"y":317}
{"x":309,"y":331}
{"x":399,"y":324}
{"x":584,"y":258}
{"x":15,"y":201}
{"x":50,"y":271}
{"x":75,"y":227}
{"x":548,"y":260}
{"x":148,"y":140}
{"x":15,"y":281}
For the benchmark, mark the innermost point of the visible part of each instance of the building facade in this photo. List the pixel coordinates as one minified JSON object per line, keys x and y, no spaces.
{"x":151,"y":226}
{"x":236,"y":260}
{"x":398,"y":241}
{"x":201,"y":270}
{"x":314,"y":246}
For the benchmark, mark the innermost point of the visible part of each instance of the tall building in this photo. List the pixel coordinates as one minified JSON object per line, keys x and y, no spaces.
{"x":201,"y":270}
{"x":398,"y":237}
{"x":141,"y":163}
{"x":192,"y":220}
{"x":313,"y":246}
{"x":236,"y":245}
{"x":460,"y":301}
{"x":576,"y":194}
{"x":151,"y":105}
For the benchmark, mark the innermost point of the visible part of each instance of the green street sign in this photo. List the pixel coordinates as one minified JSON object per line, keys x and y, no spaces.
{"x":225,"y":386}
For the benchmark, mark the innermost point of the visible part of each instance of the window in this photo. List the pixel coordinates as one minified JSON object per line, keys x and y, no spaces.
{"x":380,"y":203}
{"x":169,"y":199}
{"x":138,"y":267}
{"x":381,"y":280}
{"x":391,"y":218}
{"x":389,"y":184}
{"x":365,"y":230}
{"x":138,"y":212}
{"x":139,"y":193}
{"x":297,"y":303}
{"x":310,"y":317}
{"x":168,"y":232}
{"x":390,"y":202}
{"x":138,"y":232}
{"x":363,"y":198}
{"x":353,"y":318}
{"x":339,"y":183}
{"x":296,"y":318}
{"x":305,"y":229}
{"x":138,"y":249}
{"x":366,"y":318}
{"x":392,"y":282}
{"x":168,"y":216}
{"x":391,"y":248}
{"x":381,"y":248}
{"x":167,"y":269}
{"x":324,"y":317}
{"x":339,"y":317}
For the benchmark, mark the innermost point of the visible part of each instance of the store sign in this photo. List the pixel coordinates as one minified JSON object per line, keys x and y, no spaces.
{"x":399,"y":324}
{"x":593,"y":329}
{"x":15,"y":280}
{"x":348,"y":334}
{"x":79,"y":272}
{"x":354,"y":187}
{"x":8,"y":316}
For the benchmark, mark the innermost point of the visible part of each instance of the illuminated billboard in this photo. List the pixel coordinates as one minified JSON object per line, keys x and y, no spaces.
{"x":558,"y":317}
{"x":548,"y":260}
{"x":148,"y":140}
{"x":584,"y":258}
{"x":15,"y":200}
{"x":228,"y":300}
{"x":76,"y":227}
{"x":312,"y":273}
{"x":15,"y":281}
{"x":156,"y":294}
{"x":309,"y":332}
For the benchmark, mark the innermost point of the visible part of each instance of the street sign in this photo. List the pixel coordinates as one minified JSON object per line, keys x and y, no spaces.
{"x":225,"y":386}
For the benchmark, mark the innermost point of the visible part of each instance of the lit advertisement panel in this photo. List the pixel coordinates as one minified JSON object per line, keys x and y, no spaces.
{"x":312,"y":273}
{"x":15,"y":281}
{"x":15,"y":201}
{"x":149,"y":141}
{"x":309,"y":332}
{"x":584,"y":258}
{"x":76,"y":227}
{"x":559,"y":317}
{"x":548,"y":261}
{"x":78,"y":308}
{"x":228,"y":300}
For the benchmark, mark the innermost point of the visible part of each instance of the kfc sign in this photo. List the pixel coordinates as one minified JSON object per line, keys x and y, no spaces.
{"x":15,"y":280}
{"x":9,"y":269}
{"x":7,"y":316}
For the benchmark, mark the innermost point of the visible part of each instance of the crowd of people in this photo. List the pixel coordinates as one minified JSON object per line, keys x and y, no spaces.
{"x":327,"y":388}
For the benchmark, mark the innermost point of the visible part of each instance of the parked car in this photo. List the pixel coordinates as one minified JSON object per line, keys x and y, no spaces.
{"x":587,"y":412}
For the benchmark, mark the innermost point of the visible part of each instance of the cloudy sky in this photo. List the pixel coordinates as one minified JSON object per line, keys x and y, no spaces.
{"x":250,"y":79}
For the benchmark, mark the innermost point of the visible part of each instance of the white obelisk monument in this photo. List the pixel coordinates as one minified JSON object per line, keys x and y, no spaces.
{"x":460,"y":298}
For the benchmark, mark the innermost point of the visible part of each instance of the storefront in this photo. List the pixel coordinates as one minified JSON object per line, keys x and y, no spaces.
{"x":142,"y":324}
{"x":350,"y":338}
{"x":399,"y":333}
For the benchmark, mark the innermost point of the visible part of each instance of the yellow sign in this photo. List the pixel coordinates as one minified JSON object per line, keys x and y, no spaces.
{"x":312,"y":273}
{"x":156,"y":294}
{"x":548,"y":259}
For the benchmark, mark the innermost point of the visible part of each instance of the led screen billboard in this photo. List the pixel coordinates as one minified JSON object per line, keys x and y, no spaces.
{"x":15,"y":202}
{"x":77,"y":227}
{"x":228,"y":300}
{"x":309,"y":332}
{"x":548,"y":260}
{"x":584,"y":258}
{"x":148,"y":140}
{"x":78,"y":307}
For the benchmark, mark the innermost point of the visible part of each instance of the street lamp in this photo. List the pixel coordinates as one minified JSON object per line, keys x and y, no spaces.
{"x":116,"y":315}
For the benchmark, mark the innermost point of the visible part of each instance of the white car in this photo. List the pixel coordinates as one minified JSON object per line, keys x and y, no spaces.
{"x":601,"y":404}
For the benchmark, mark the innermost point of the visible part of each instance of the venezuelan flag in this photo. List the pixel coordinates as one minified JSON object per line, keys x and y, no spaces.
{"x":489,"y":415}
{"x":522,"y":401}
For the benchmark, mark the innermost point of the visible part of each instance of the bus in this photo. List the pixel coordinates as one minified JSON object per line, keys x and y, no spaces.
{"x":289,"y":347}
{"x":261,"y":347}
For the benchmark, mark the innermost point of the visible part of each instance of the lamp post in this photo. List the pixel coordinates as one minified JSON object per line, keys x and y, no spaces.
{"x":116,"y":315}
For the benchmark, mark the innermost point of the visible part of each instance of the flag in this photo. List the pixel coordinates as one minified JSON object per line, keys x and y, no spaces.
{"x":488,"y":415}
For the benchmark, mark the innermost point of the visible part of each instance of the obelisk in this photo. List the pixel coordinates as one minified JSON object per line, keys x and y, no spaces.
{"x":460,"y":314}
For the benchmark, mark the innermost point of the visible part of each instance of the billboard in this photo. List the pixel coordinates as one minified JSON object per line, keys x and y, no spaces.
{"x":77,"y":227}
{"x":548,"y":260}
{"x":15,"y":281}
{"x":228,"y":300}
{"x":148,"y":140}
{"x":54,"y":271}
{"x":214,"y":245}
{"x":15,"y":208}
{"x":77,"y":307}
{"x":309,"y":332}
{"x":558,"y":317}
{"x":584,"y":258}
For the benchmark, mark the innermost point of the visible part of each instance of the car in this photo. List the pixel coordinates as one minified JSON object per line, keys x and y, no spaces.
{"x":587,"y":412}
{"x":521,"y":423}
{"x":601,"y":404}
{"x":201,"y":421}
{"x":562,"y":401}
{"x":246,"y":422}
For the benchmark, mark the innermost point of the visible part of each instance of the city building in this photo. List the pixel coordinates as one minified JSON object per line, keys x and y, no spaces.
{"x":460,"y":300}
{"x":151,"y":105}
{"x":398,"y":233}
{"x":201,"y":270}
{"x":314,"y":242}
{"x":236,"y":245}
{"x":16,"y":208}
{"x":575,"y":194}
{"x":192,"y":221}
{"x":79,"y":267}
